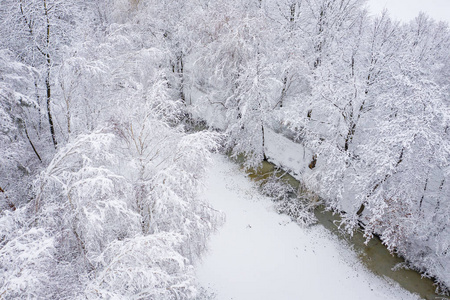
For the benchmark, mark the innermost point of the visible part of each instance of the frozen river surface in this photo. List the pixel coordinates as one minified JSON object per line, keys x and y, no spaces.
{"x":259,"y":254}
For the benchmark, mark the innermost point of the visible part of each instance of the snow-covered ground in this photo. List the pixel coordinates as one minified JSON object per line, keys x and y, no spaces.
{"x":259,"y":254}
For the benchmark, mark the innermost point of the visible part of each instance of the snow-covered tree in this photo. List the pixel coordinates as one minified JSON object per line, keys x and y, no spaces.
{"x":245,"y":76}
{"x":35,"y":31}
{"x":122,"y":189}
{"x":19,"y":144}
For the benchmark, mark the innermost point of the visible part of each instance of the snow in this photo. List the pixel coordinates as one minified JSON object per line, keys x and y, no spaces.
{"x":259,"y":254}
{"x":295,"y":158}
{"x":290,"y":156}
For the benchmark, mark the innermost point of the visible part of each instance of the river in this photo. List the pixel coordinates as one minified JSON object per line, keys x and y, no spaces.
{"x":374,"y":255}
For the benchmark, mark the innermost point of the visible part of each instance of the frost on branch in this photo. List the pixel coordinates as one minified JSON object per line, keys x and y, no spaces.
{"x":297,"y":204}
{"x":144,"y":267}
{"x":25,"y":262}
{"x":85,"y":228}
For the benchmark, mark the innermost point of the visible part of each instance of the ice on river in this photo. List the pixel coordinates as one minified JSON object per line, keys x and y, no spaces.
{"x":259,"y":254}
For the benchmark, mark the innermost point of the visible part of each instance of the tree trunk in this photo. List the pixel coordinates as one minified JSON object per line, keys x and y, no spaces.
{"x":284,"y":90}
{"x":47,"y":79}
{"x":423,"y":195}
{"x":263,"y":142}
{"x":32,"y":145}
{"x":386,"y":177}
{"x":49,"y":112}
{"x":180,"y":66}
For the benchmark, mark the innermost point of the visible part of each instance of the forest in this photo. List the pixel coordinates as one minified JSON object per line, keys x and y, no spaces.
{"x":110,"y":111}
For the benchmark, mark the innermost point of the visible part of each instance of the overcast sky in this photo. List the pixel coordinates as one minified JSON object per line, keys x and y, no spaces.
{"x":406,"y":10}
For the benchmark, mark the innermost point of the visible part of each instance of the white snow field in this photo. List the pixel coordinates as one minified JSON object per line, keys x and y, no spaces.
{"x":259,"y":254}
